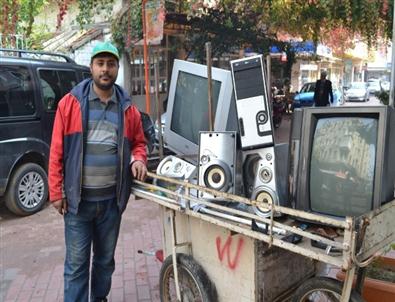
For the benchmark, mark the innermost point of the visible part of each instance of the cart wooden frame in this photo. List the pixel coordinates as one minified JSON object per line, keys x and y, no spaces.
{"x":364,"y":237}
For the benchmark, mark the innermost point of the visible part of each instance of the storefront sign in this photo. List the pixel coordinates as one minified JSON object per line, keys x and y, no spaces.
{"x":155,"y":18}
{"x":311,"y":67}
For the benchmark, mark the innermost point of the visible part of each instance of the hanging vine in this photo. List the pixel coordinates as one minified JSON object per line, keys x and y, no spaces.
{"x":9,"y":21}
{"x":63,"y":6}
{"x":89,"y":8}
{"x":127,"y":27}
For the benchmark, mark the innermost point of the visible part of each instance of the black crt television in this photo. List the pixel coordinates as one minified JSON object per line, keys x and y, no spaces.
{"x":342,"y":159}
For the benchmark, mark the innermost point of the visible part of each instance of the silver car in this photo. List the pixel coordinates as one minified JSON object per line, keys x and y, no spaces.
{"x":358,"y":92}
{"x":374,"y":86}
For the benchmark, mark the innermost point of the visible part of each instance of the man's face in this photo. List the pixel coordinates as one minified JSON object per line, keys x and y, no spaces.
{"x":104,"y":69}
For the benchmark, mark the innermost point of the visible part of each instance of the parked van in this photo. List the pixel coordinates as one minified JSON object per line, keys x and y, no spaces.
{"x":31,"y":85}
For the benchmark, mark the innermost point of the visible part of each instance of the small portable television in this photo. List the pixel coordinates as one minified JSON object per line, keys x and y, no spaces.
{"x":342,"y":159}
{"x":187,"y":108}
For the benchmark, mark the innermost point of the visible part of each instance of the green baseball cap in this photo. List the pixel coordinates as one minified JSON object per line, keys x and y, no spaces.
{"x":103,"y":47}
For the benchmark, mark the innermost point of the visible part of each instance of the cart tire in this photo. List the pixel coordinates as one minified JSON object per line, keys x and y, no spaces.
{"x":322,"y":289}
{"x":194,"y":282}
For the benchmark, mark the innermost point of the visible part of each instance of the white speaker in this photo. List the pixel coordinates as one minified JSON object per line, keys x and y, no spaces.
{"x":265,"y":176}
{"x":252,"y":102}
{"x":218,"y":159}
{"x":172,"y":166}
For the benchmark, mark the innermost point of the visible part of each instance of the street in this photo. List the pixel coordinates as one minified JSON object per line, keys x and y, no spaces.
{"x":373,"y":101}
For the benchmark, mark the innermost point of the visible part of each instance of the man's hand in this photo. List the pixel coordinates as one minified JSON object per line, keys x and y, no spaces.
{"x":60,"y":205}
{"x":139,"y":170}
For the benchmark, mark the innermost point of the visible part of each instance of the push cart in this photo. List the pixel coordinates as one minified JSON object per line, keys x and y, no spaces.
{"x":223,"y":252}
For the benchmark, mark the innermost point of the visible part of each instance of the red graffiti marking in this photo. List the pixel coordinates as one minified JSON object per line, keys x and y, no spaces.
{"x":232,"y":263}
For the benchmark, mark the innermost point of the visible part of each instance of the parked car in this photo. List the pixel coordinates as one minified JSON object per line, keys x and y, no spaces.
{"x":385,"y":85}
{"x":305,"y":97}
{"x":357,"y":91}
{"x":374,"y":86}
{"x":31,"y":85}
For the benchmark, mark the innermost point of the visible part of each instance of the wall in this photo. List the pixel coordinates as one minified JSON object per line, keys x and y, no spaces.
{"x":49,"y":15}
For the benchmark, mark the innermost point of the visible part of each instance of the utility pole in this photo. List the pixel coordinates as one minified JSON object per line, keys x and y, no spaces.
{"x":146,"y":62}
{"x":392,"y":92}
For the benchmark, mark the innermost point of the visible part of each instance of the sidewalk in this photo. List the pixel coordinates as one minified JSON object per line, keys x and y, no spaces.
{"x":32,"y":255}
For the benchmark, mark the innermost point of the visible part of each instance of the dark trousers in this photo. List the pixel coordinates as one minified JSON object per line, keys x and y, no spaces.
{"x":95,"y":226}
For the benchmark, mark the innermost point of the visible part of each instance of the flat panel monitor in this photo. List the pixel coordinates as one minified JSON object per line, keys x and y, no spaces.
{"x":345,"y":165}
{"x":187,"y":108}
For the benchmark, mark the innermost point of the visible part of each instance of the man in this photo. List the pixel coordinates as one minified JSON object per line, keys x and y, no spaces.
{"x":322,"y":92}
{"x":97,"y":145}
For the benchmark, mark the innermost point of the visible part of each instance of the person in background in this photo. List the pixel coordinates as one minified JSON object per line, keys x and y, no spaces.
{"x":97,"y":146}
{"x":287,"y":95}
{"x":323,"y":91}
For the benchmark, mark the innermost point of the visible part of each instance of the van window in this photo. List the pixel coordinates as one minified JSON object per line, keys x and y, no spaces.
{"x":86,"y":75}
{"x":54,"y":85}
{"x":16,"y":93}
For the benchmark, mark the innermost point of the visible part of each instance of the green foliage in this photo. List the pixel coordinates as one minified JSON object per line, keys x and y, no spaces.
{"x":378,"y":272}
{"x":38,"y":36}
{"x":28,"y":10}
{"x":127,"y":27}
{"x":226,"y":30}
{"x":89,"y":8}
{"x":177,"y":6}
{"x":309,"y":19}
{"x":383,"y":96}
{"x":17,"y":18}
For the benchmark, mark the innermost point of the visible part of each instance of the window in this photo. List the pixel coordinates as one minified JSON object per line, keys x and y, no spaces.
{"x":86,"y":75}
{"x":308,"y":87}
{"x":54,"y":85}
{"x":157,"y":54}
{"x":16,"y":94}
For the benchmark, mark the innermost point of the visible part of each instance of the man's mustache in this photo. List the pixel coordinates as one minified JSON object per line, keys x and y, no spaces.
{"x":105,"y":75}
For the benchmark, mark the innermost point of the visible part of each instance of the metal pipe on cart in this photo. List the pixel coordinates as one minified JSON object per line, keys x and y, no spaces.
{"x":209,"y":87}
{"x":347,"y":286}
{"x":284,"y":210}
{"x":174,"y":255}
{"x":231,"y":214}
{"x":158,"y":110}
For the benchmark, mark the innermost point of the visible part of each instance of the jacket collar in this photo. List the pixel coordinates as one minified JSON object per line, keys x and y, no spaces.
{"x":82,"y":91}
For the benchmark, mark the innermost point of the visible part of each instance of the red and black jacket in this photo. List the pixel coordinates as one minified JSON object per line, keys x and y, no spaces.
{"x":67,"y":146}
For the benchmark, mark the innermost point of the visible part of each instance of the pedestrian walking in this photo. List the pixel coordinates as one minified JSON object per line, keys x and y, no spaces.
{"x":97,"y":147}
{"x":323,"y":91}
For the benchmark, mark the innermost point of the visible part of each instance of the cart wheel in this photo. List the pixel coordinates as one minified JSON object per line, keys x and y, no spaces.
{"x":195,"y":286}
{"x":322,"y":289}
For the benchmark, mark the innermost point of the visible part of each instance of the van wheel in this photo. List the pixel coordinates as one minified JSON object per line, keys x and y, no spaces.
{"x":27,"y":190}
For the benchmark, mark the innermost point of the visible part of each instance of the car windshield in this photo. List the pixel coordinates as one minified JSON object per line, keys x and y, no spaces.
{"x":358,"y":85}
{"x":374,"y":84}
{"x":309,"y":87}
